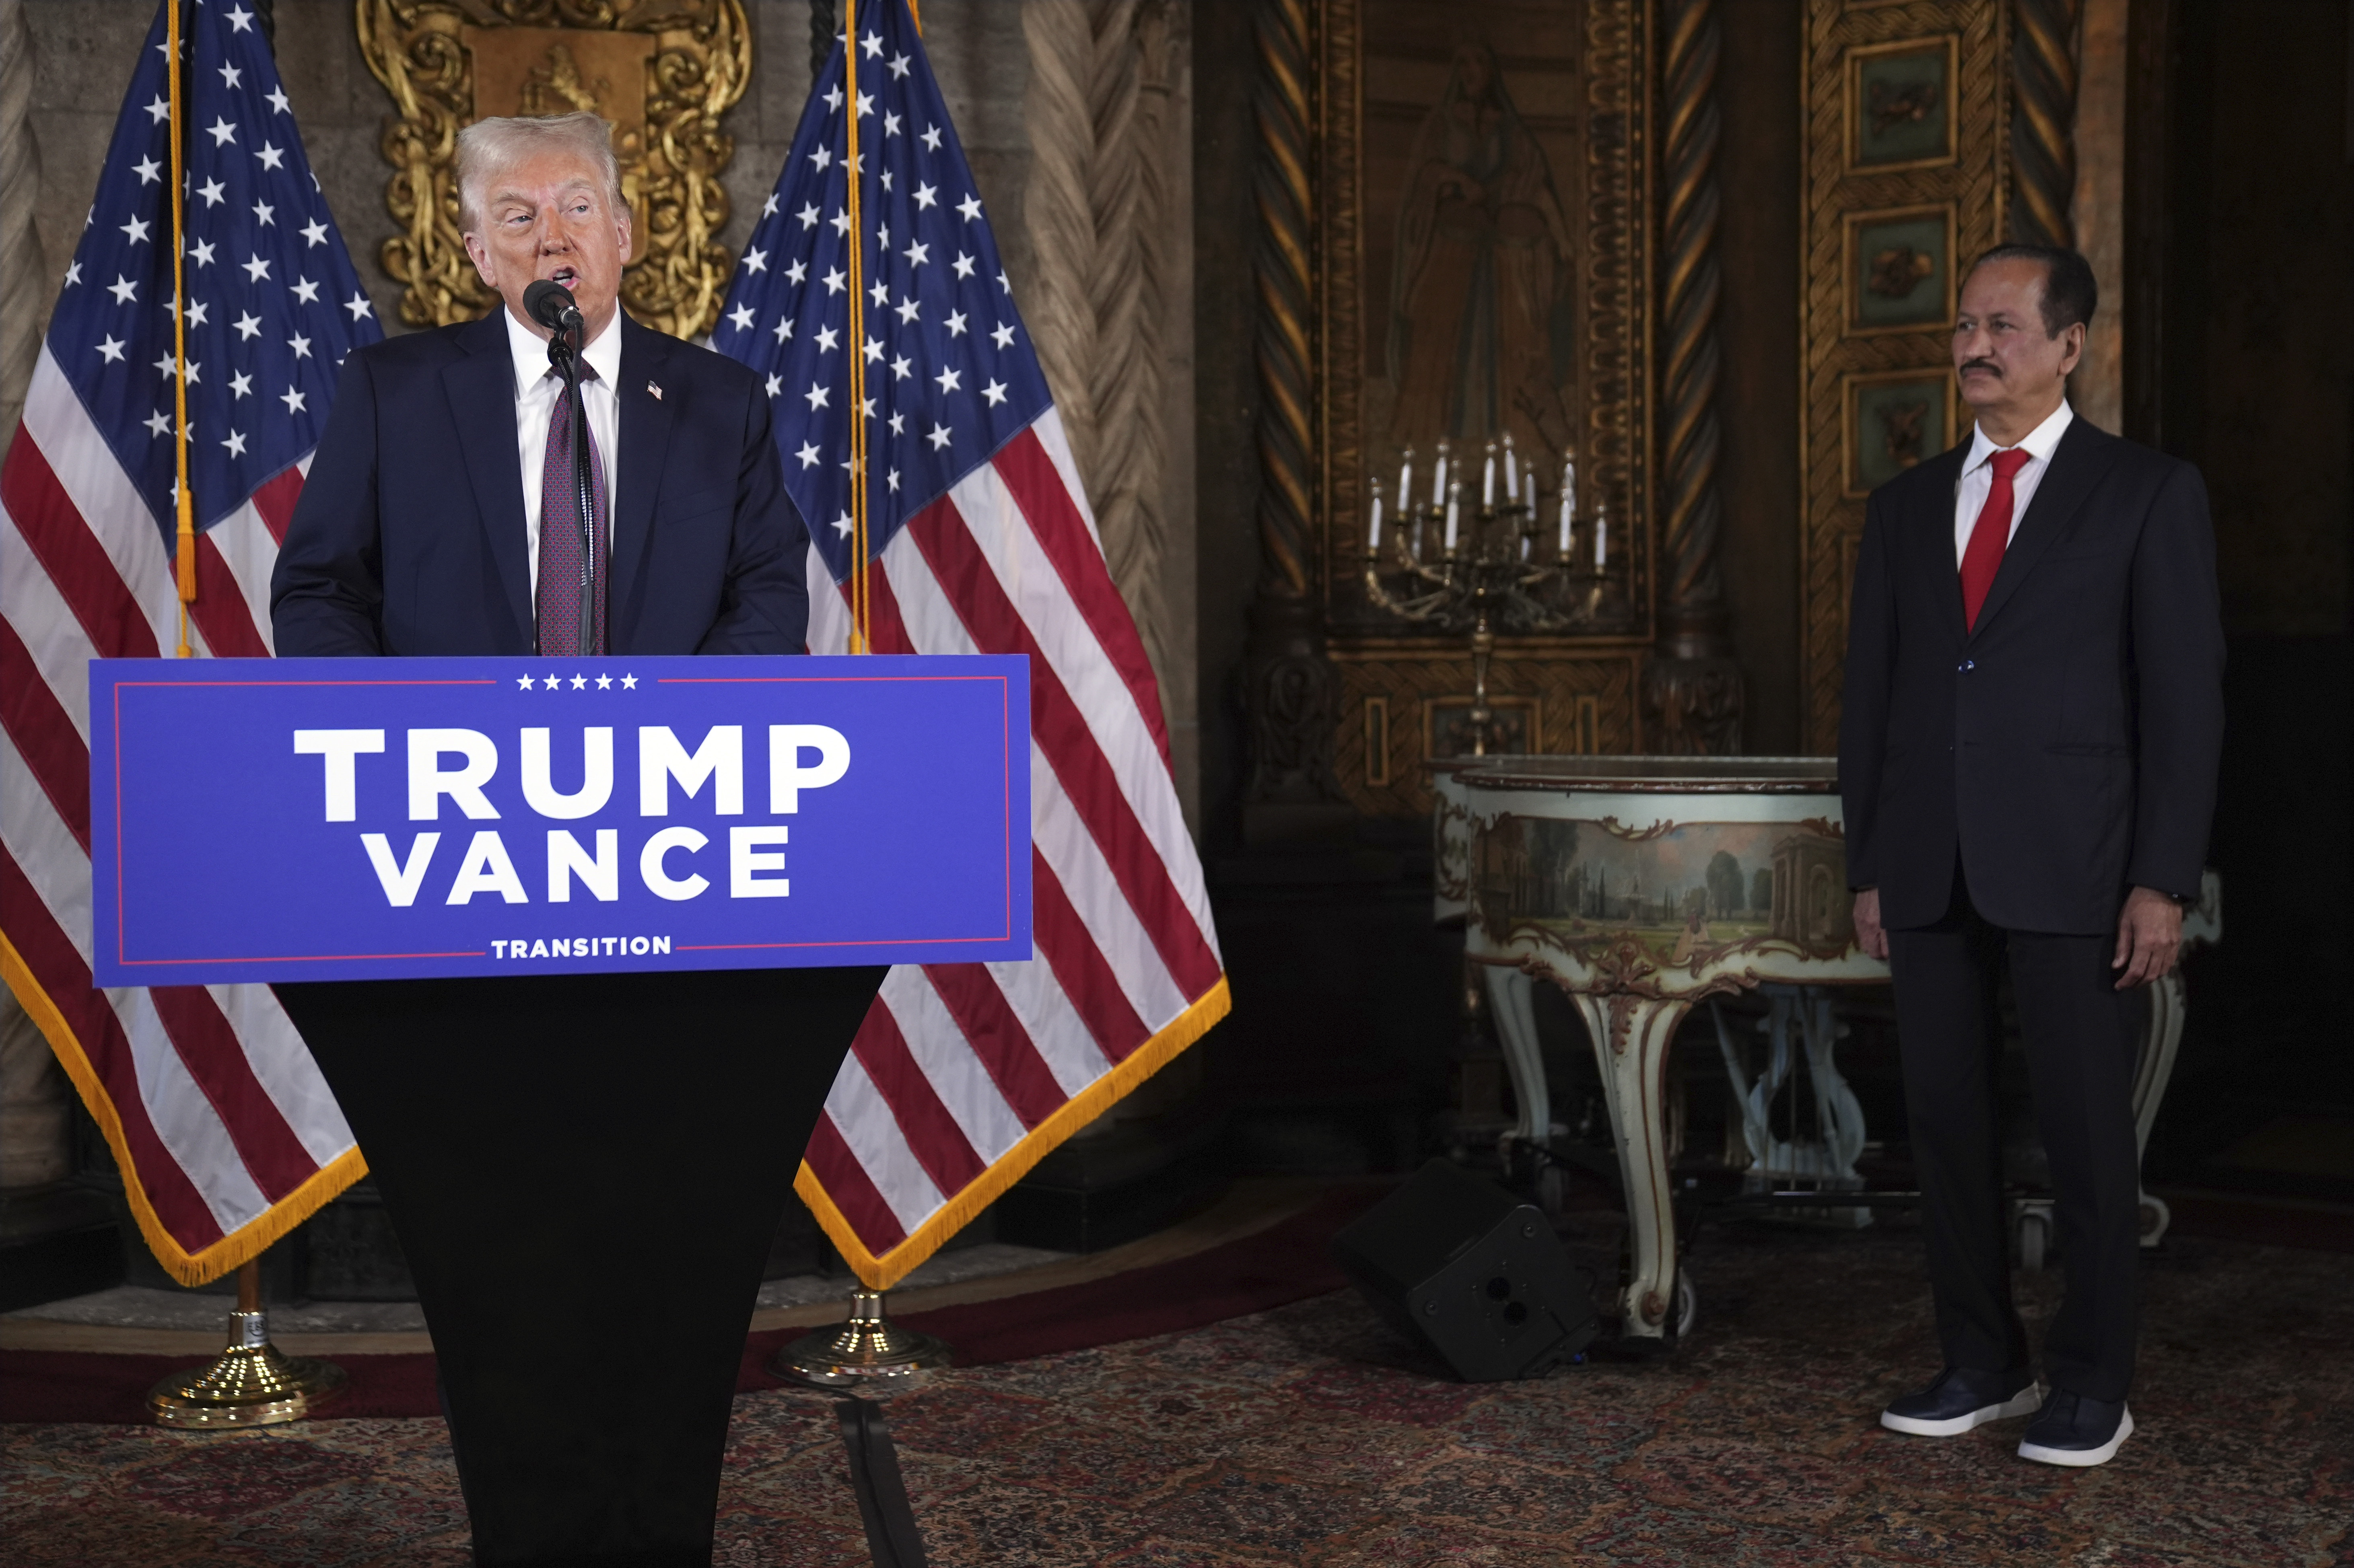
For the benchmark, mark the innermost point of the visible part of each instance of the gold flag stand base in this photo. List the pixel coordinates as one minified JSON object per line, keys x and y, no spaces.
{"x":863,"y":1348}
{"x":249,"y":1384}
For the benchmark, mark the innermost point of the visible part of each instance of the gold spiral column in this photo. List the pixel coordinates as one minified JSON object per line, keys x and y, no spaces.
{"x":2042,"y":121}
{"x":1692,"y":687}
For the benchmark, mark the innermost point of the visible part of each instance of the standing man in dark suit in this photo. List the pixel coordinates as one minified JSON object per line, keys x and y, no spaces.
{"x":2033,"y":722}
{"x":586,"y":1172}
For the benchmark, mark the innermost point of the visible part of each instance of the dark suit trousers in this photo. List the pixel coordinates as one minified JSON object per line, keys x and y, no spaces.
{"x":2081,"y":1036}
{"x":585,"y":1174}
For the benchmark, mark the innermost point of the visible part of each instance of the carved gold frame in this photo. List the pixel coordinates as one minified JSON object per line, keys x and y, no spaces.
{"x":697,"y":61}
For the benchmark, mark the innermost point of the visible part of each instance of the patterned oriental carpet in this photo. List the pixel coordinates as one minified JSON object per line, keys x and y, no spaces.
{"x":1304,"y":1435}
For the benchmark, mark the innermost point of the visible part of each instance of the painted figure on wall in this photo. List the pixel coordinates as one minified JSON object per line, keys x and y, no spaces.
{"x":1479,"y":337}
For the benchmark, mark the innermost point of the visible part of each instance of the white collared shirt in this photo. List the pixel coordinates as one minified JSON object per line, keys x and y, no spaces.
{"x":538,"y":387}
{"x":1978,"y":477}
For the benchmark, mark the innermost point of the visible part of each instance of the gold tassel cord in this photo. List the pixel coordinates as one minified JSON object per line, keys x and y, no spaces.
{"x":860,"y":607}
{"x":183,"y":548}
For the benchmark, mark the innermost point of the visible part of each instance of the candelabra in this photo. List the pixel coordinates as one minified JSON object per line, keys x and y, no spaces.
{"x":1488,"y":570}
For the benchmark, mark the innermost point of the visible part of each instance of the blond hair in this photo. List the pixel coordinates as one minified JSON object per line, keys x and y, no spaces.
{"x":490,"y":147}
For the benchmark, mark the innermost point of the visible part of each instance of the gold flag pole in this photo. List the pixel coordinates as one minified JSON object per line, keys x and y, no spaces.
{"x":864,"y":1347}
{"x":249,"y":1383}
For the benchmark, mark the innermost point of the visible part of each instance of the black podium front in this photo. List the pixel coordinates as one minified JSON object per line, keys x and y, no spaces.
{"x":585,"y":1174}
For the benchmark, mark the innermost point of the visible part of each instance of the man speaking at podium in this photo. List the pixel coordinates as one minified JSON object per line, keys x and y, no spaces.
{"x":585,"y":1172}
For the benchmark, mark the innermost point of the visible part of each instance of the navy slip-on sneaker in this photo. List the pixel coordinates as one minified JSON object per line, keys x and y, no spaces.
{"x":1960,"y":1400}
{"x":2074,"y":1430}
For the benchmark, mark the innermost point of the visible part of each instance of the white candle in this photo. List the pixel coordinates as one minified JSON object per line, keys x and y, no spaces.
{"x":1568,"y":500}
{"x":1453,"y":497}
{"x":1601,"y":538}
{"x":1374,"y":538}
{"x":1438,"y":480}
{"x":1530,"y":479}
{"x":1511,"y":468}
{"x":1488,"y":479}
{"x":1405,"y":483}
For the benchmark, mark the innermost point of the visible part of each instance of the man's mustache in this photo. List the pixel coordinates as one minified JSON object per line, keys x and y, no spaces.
{"x":1986,"y":365}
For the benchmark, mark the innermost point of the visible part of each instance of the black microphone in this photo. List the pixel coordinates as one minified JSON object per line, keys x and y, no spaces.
{"x":551,"y":304}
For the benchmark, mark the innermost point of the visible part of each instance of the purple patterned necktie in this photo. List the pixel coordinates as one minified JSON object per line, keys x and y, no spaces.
{"x":559,"y":600}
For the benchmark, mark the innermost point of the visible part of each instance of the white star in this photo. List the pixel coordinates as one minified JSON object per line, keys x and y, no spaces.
{"x":907,"y":309}
{"x":893,"y":480}
{"x":949,"y":380}
{"x":293,"y":399}
{"x":161,"y":109}
{"x":834,"y":281}
{"x":123,"y":290}
{"x":315,"y":232}
{"x":931,"y":138}
{"x":817,"y":397}
{"x":240,"y":19}
{"x":994,"y":392}
{"x":808,"y":216}
{"x":797,"y":273}
{"x":918,"y":255}
{"x":822,"y":157}
{"x":808,"y":454}
{"x":212,"y":191}
{"x":604,"y":683}
{"x":768,"y":207}
{"x":866,"y":408}
{"x":1001,"y":282}
{"x":834,"y":96}
{"x":841,"y":221}
{"x":525,"y":681}
{"x":161,"y":424}
{"x":223,"y":133}
{"x":231,"y":77}
{"x":964,"y":265}
{"x":137,"y":229}
{"x":146,"y":169}
{"x":236,"y":443}
{"x":629,"y":683}
{"x":939,"y":437}
{"x":111,"y":350}
{"x":241,"y":385}
{"x":956,"y":324}
{"x":256,"y":268}
{"x":841,"y":525}
{"x":784,"y":328}
{"x":248,"y":326}
{"x":196,"y":314}
{"x":880,"y":292}
{"x":927,"y":196}
{"x":358,"y":305}
{"x":195,"y":371}
{"x":203,"y":251}
{"x":874,"y":349}
{"x":827,"y":337}
{"x":265,"y":214}
{"x":887,"y":179}
{"x":301,"y":345}
{"x":866,"y":104}
{"x":890,"y":124}
{"x":277,"y":96}
{"x":756,"y":260}
{"x":898,"y":424}
{"x":73,"y":273}
{"x":271,"y":158}
{"x":776,"y":386}
{"x":900,"y":368}
{"x":871,"y":44}
{"x":898,"y":66}
{"x":579,"y":682}
{"x":305,"y":290}
{"x":740,"y":318}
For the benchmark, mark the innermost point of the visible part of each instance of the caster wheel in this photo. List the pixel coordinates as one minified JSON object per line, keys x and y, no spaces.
{"x":1687,"y":1307}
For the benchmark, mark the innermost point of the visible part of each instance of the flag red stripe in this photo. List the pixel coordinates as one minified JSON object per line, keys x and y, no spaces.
{"x":989,"y":1025}
{"x":1079,"y":966}
{"x":853,"y":1190}
{"x":44,"y":735}
{"x":886,"y":628}
{"x":208,"y":1048}
{"x":1046,"y":504}
{"x":275,"y":500}
{"x":62,"y":973}
{"x":1061,"y":731}
{"x":939,"y":1144}
{"x":77,"y":563}
{"x":220,"y":611}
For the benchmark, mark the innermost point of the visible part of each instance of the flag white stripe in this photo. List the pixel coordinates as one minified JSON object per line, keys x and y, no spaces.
{"x":245,"y":544}
{"x":282,"y":1065}
{"x":1064,"y":1041}
{"x":879,"y":1144}
{"x":1074,"y":857}
{"x":93,"y":480}
{"x":30,"y":603}
{"x":954,"y":1069}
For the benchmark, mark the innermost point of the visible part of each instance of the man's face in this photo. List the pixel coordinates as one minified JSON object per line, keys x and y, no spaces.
{"x":2005,"y":359}
{"x":552,"y":216}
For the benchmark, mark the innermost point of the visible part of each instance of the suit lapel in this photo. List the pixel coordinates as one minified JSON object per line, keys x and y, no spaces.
{"x":480,"y":388}
{"x":1934,"y":529}
{"x":645,"y":446}
{"x":2083,"y":455}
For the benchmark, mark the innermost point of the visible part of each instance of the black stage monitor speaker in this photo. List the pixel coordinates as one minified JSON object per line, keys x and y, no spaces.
{"x":1455,"y":1263}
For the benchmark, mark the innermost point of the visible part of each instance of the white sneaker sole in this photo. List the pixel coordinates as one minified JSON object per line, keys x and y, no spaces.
{"x":2080,"y":1457}
{"x":2026,"y":1401}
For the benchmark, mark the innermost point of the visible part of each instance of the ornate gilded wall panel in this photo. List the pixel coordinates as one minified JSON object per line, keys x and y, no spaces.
{"x":1404,"y":701}
{"x":1904,"y":175}
{"x":662,"y":71}
{"x":1485,"y":230}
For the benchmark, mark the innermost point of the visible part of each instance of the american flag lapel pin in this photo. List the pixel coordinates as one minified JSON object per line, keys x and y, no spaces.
{"x":655,"y":390}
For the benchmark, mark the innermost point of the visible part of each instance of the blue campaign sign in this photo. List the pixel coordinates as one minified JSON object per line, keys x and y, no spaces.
{"x":339,"y":819}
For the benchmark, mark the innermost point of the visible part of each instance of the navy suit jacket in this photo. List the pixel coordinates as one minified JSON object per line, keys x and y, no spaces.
{"x":2065,"y":748}
{"x":408,"y":538}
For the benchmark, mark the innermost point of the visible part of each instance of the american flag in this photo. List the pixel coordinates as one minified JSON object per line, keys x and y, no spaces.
{"x":964,"y":1076}
{"x":225,"y":1135}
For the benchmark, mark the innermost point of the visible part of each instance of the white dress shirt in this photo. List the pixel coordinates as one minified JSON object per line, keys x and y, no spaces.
{"x":538,"y":387}
{"x":1978,"y":477}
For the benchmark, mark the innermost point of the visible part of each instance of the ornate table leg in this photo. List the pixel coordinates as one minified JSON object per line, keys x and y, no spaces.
{"x":1512,"y":1002}
{"x":1631,"y":1035}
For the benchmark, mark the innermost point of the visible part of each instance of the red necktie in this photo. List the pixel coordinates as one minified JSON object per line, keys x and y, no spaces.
{"x":558,"y":590}
{"x":1989,"y":535}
